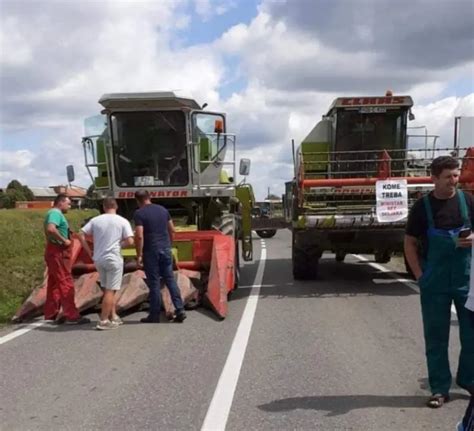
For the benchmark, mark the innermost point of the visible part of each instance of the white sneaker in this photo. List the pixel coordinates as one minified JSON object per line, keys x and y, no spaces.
{"x":104,"y":325}
{"x":117,"y":320}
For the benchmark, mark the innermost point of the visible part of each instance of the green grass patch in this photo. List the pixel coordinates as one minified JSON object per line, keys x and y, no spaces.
{"x":21,"y":254}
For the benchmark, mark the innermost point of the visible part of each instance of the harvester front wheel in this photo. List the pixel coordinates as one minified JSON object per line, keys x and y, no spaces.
{"x":267,"y":233}
{"x":305,"y":263}
{"x":226,"y":223}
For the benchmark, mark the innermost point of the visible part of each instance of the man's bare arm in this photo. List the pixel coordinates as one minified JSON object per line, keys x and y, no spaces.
{"x":466,"y":242}
{"x":127,"y":242}
{"x":411,"y":255}
{"x":139,"y":242}
{"x":171,"y":230}
{"x":85,"y":244}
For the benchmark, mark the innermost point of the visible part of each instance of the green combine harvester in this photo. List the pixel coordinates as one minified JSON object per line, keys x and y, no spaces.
{"x":331,"y":203}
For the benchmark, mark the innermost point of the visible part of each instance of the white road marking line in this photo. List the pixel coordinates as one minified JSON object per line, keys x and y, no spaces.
{"x":395,"y":280}
{"x":218,"y":412}
{"x":409,"y":283}
{"x":251,"y":286}
{"x":19,"y":332}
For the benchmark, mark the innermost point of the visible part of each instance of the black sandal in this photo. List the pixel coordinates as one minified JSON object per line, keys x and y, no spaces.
{"x":437,"y":400}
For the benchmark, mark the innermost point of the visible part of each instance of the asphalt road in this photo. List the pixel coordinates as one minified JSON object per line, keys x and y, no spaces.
{"x":341,"y":353}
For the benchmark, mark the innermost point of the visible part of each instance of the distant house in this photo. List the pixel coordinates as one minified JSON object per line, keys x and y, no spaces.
{"x":44,"y":196}
{"x":75,"y":193}
{"x":43,"y":193}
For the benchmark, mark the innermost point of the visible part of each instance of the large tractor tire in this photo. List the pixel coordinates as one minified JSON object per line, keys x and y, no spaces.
{"x":382,"y":256}
{"x":340,"y":256}
{"x":267,"y":233}
{"x":227,"y":223}
{"x":305,"y":263}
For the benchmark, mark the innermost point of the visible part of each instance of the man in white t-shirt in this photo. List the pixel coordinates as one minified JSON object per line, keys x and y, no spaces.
{"x":110,"y":232}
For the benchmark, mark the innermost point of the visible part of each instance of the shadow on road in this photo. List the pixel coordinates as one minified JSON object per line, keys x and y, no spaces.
{"x":337,"y":405}
{"x":334,"y":280}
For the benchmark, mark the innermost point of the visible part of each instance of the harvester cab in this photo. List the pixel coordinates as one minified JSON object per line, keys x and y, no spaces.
{"x":332,"y":202}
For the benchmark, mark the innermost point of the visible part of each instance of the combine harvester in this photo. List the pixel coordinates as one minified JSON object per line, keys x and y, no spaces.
{"x":360,"y":143}
{"x":183,"y":156}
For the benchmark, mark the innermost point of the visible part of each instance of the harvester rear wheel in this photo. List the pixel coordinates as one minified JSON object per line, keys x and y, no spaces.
{"x":382,"y":256}
{"x":267,"y":233}
{"x":340,"y":256}
{"x":305,"y":263}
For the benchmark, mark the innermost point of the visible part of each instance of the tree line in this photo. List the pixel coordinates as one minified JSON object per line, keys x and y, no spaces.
{"x":15,"y":192}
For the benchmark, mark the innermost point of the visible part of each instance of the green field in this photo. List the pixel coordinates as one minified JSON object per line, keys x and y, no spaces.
{"x":21,"y":254}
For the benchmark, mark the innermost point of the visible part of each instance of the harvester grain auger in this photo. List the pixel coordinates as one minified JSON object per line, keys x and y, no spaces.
{"x":183,"y":156}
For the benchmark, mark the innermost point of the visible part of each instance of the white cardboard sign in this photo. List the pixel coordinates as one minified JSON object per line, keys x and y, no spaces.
{"x":392,"y":200}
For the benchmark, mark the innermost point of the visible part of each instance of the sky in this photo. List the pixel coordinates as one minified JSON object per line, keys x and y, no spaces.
{"x":273,"y":67}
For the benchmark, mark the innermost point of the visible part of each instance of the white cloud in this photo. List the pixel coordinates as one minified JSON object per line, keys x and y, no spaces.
{"x":285,"y":56}
{"x":438,"y":117}
{"x":58,"y":58}
{"x":13,"y":160}
{"x":79,"y":53}
{"x":206,"y":9}
{"x":10,"y":37}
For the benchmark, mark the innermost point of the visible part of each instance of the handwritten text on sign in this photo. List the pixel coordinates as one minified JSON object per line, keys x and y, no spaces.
{"x":392,"y":200}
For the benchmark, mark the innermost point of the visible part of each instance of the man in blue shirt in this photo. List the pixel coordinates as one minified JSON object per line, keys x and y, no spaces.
{"x":153,"y":238}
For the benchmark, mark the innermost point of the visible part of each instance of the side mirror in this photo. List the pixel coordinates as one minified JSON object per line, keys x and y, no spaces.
{"x":411,"y":116}
{"x":244,"y":168}
{"x":70,"y":173}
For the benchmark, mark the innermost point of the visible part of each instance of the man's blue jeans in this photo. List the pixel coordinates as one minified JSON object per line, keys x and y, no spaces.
{"x":159,"y":264}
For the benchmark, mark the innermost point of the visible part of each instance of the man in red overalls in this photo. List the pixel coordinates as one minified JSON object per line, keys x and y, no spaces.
{"x":60,"y":288}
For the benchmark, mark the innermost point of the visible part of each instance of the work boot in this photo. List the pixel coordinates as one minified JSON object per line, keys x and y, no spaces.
{"x":150,"y":319}
{"x":180,"y":316}
{"x":78,"y":321}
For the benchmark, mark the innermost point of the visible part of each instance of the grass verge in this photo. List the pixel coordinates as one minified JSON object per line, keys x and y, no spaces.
{"x":21,"y":254}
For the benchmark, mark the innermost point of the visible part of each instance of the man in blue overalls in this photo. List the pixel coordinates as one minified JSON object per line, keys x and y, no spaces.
{"x":436,"y":221}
